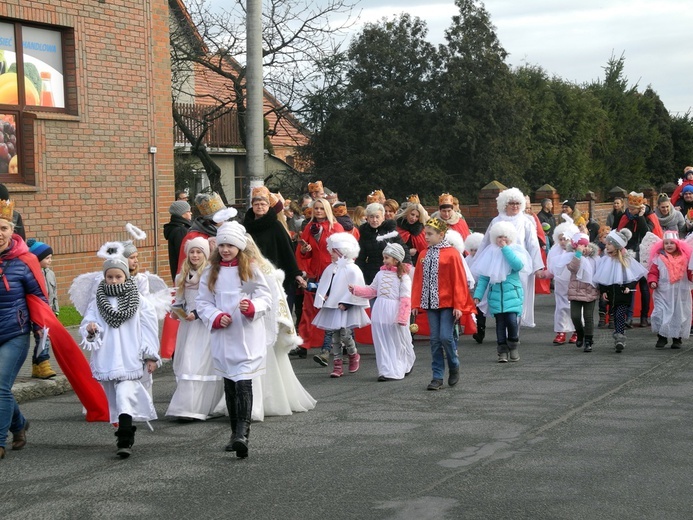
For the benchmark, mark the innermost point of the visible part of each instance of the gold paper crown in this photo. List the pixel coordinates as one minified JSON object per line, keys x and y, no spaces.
{"x":437,"y":224}
{"x":262,"y":191}
{"x":635,"y":199}
{"x":6,"y":209}
{"x":315,"y":186}
{"x":445,"y":200}
{"x":208,"y":205}
{"x":339,"y":209}
{"x":414,"y":198}
{"x":375,"y":196}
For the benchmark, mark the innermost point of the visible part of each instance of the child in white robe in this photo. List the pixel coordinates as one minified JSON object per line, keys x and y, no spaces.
{"x":200,"y":390}
{"x":232,"y":300}
{"x":394,"y":351}
{"x":341,"y":311}
{"x":669,"y":276}
{"x":121,"y":330}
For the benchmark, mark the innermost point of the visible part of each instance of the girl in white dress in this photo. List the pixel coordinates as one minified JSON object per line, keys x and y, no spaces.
{"x":232,"y":300}
{"x":121,"y":330}
{"x":278,"y":392}
{"x":200,"y":390}
{"x":394,"y":351}
{"x":339,"y":309}
{"x":669,"y":276}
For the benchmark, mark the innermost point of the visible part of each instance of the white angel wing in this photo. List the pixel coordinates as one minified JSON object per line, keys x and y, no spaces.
{"x":648,"y":241}
{"x":160,"y":294}
{"x":83,"y":289}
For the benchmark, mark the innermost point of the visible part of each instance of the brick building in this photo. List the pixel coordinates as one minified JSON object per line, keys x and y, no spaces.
{"x":93,"y":143}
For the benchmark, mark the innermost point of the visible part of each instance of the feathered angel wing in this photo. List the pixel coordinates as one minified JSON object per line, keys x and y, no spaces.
{"x":648,"y":241}
{"x":83,"y":289}
{"x":160,"y":294}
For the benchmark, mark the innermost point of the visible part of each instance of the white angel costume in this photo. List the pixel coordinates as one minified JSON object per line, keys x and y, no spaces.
{"x":279,"y":392}
{"x":333,"y":289}
{"x":118,"y":356}
{"x":671,"y":316}
{"x":200,"y":390}
{"x":394,"y":351}
{"x":239,"y":351}
{"x":557,"y":264}
{"x":526,"y":237}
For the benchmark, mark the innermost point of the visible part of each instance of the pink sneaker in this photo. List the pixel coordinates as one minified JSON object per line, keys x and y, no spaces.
{"x":573,"y":338}
{"x":337,"y":370}
{"x":354,"y":362}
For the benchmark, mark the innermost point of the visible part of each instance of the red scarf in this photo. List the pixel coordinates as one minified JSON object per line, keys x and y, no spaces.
{"x":676,"y":265}
{"x":68,"y":354}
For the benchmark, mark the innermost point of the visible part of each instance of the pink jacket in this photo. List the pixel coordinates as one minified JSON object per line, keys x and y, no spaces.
{"x":577,"y":290}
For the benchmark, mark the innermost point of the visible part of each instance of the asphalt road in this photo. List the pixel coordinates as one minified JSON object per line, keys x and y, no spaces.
{"x":560,"y":435}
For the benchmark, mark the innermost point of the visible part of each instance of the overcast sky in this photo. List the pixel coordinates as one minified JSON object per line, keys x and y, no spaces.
{"x":574,"y":39}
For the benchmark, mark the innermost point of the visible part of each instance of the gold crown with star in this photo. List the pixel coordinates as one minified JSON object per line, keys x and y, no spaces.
{"x":439,"y":225}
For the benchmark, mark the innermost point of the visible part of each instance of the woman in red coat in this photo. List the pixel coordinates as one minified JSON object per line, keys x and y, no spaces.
{"x":314,"y":258}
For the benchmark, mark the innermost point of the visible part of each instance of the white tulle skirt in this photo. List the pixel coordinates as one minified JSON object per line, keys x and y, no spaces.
{"x":200,"y":391}
{"x":334,"y":319}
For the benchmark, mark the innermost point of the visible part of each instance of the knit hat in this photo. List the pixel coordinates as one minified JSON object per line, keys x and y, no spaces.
{"x":232,"y":233}
{"x":619,"y":239}
{"x":39,"y":249}
{"x":129,"y":249}
{"x":198,"y":242}
{"x":580,"y":239}
{"x":178,"y":208}
{"x":396,"y":251}
{"x":571,"y":203}
{"x":117,"y":262}
{"x":687,"y":189}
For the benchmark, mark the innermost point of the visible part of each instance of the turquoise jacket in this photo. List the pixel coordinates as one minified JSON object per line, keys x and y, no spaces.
{"x":506,"y":296}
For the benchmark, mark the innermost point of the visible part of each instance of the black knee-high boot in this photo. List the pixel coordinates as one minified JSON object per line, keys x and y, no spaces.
{"x":244,"y":409}
{"x":125,"y":435}
{"x":230,"y":395}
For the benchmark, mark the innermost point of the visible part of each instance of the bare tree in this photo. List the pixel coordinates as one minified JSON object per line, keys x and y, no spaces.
{"x":208,"y":43}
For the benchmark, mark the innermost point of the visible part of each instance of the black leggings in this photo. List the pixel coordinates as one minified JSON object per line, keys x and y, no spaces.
{"x":578,"y":310}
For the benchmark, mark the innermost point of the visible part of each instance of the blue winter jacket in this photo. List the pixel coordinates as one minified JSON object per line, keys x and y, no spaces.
{"x":506,"y":296}
{"x":16,"y":282}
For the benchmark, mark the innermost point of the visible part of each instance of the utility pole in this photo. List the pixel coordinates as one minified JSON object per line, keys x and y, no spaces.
{"x":255,"y":149}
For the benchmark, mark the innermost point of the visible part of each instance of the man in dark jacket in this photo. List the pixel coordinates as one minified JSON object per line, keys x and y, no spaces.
{"x":175,"y":230}
{"x":548,"y":222}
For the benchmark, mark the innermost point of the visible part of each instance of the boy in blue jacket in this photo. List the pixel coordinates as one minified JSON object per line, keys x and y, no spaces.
{"x":498,"y":271}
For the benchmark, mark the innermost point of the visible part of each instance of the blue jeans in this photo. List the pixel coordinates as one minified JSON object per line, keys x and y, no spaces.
{"x":12,"y":355}
{"x":442,"y":324}
{"x":507,"y":329}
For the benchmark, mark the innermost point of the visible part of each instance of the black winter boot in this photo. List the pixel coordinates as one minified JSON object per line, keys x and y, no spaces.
{"x":661,"y":342}
{"x":589,"y":341}
{"x":676,"y":343}
{"x":244,"y":408}
{"x":602,"y":320}
{"x":125,"y":435}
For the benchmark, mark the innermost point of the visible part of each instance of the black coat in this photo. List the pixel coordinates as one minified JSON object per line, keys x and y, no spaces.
{"x":274,"y":242}
{"x":174,"y":231}
{"x":372,"y":242}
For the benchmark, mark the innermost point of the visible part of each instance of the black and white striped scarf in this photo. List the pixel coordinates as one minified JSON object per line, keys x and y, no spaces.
{"x":128,"y":299}
{"x":429,"y":293}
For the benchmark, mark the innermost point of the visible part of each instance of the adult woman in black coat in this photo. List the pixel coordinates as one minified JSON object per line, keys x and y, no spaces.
{"x":274,"y":242}
{"x":375,"y":234}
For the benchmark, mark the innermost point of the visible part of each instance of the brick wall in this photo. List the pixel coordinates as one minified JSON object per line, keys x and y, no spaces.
{"x":94,"y":172}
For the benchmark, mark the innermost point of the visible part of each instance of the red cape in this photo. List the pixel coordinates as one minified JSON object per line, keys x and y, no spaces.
{"x":70,"y":358}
